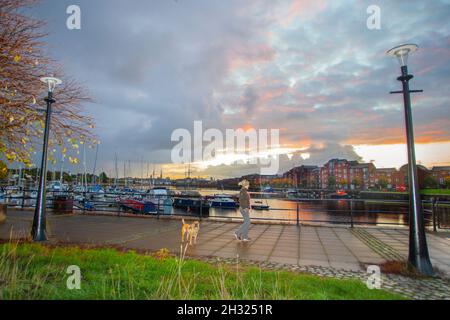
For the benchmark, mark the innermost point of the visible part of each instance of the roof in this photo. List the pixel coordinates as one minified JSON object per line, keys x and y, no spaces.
{"x":439,"y":168}
{"x":419,"y":166}
{"x":386,"y":169}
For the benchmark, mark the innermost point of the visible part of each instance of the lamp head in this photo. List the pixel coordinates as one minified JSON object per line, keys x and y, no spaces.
{"x":401,"y":52}
{"x":51,"y":82}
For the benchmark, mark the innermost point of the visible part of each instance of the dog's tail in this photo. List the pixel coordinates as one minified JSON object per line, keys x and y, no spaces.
{"x":182,"y":220}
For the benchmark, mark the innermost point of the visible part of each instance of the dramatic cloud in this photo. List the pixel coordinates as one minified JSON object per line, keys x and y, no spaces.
{"x":310,"y":68}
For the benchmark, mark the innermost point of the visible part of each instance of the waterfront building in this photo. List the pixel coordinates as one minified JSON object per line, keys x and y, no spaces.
{"x":441,"y":175}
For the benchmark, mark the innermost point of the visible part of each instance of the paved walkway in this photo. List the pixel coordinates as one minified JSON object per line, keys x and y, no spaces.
{"x":323,"y":248}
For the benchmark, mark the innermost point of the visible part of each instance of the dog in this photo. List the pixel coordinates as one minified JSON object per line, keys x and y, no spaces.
{"x":189,"y":232}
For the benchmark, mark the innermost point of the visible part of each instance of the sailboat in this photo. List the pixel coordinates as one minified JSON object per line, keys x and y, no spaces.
{"x":259,"y":204}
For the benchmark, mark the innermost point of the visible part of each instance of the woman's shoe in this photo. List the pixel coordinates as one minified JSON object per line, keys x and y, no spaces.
{"x":237,"y":237}
{"x":247,"y":240}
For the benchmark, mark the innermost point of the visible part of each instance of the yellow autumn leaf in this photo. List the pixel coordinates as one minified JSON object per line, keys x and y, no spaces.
{"x":17,"y":58}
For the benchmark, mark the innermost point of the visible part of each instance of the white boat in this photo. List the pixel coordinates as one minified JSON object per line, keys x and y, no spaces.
{"x":268,"y":189}
{"x":291,"y":191}
{"x":11,"y":190}
{"x":78,"y":197}
{"x":260,"y":205}
{"x":16,"y":195}
{"x":55,"y":186}
{"x":159,"y":196}
{"x":79,"y":188}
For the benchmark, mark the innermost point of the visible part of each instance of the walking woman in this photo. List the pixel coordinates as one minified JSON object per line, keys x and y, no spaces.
{"x":244,"y":207}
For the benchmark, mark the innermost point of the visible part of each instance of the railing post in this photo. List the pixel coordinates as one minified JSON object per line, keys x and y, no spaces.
{"x":84,"y":202}
{"x":433,"y":214}
{"x":298,"y":214}
{"x":23,"y":198}
{"x":351,"y":213}
{"x":438,"y":216}
{"x":157,"y":208}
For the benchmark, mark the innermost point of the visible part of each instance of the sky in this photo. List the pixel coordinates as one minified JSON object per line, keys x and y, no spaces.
{"x":312,"y":69}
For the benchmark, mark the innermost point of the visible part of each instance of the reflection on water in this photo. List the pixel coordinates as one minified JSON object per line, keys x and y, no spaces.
{"x":322,"y":211}
{"x":317,"y":211}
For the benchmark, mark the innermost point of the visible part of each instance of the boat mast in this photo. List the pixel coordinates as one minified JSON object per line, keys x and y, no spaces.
{"x":95,"y":164}
{"x":62,"y":168}
{"x":84,"y":165}
{"x":124,"y":174}
{"x":116,"y":169}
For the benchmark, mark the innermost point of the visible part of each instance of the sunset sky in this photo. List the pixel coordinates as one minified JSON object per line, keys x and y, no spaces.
{"x":309,"y":68}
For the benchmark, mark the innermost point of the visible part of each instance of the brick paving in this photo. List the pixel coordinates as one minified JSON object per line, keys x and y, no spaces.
{"x":339,"y":252}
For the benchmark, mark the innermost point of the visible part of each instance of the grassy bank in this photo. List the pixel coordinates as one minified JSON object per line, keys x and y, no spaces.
{"x":435,"y":192}
{"x":31,"y":271}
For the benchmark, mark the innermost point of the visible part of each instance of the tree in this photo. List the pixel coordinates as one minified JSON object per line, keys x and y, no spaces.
{"x":343,"y":183}
{"x":103,"y":178}
{"x":430,"y":182}
{"x":383,"y":183}
{"x":447,"y":182}
{"x":331,"y":182}
{"x":357,"y":183}
{"x":3,"y":170}
{"x":22,"y":63}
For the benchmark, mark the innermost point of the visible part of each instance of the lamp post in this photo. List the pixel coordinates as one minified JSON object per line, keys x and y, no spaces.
{"x":38,"y":231}
{"x":418,"y":249}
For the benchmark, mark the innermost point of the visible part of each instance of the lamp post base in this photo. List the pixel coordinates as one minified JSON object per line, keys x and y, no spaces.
{"x":40,"y":237}
{"x":422,"y":265}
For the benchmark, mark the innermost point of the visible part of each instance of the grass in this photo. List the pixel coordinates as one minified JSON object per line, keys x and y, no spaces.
{"x":437,"y":192}
{"x":33,"y":271}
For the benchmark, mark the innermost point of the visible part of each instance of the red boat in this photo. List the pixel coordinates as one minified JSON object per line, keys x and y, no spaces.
{"x":138,"y":206}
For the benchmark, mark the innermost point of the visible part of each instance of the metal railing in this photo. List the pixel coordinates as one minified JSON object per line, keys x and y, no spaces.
{"x":337,"y":211}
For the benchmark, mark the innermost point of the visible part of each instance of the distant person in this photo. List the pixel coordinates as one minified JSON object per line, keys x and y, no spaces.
{"x":244,"y":207}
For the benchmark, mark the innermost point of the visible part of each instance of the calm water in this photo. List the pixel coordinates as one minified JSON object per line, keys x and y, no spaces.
{"x":320,"y":211}
{"x":313,"y":211}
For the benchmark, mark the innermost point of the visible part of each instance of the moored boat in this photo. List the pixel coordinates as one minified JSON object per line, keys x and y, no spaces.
{"x":140,"y":207}
{"x":192,"y":205}
{"x":220,"y":201}
{"x":259,"y":205}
